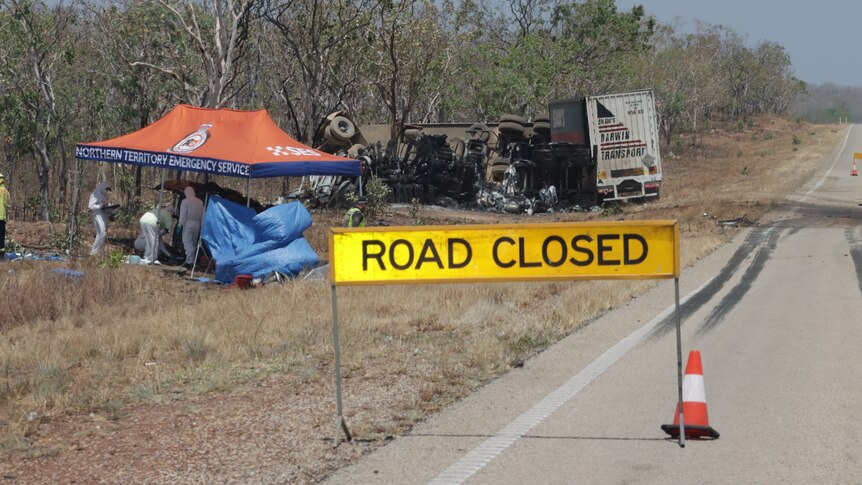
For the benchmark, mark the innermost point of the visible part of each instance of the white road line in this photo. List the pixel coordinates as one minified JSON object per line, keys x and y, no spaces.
{"x":837,"y":156}
{"x":487,"y":451}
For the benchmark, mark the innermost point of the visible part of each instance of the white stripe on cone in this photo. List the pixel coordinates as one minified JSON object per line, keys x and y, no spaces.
{"x":693,"y":389}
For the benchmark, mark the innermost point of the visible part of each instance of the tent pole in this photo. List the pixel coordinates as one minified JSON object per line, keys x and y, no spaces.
{"x":159,"y":207}
{"x":248,"y":194}
{"x":200,"y":236}
{"x":161,"y":188}
{"x":360,"y":184}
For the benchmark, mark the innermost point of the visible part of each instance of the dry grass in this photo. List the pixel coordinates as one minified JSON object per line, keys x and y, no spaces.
{"x":132,"y":335}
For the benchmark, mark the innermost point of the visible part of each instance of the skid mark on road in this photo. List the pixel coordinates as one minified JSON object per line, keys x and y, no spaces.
{"x":756,"y":239}
{"x":735,"y":295}
{"x":855,"y":253}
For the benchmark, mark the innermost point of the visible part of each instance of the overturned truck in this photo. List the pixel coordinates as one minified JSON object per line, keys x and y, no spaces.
{"x":546,"y":165}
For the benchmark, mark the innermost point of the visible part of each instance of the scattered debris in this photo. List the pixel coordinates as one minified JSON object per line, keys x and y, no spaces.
{"x":740,"y":221}
{"x":34,"y":257}
{"x":70,"y":273}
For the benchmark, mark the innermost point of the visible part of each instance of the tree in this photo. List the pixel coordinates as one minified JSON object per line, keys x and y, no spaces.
{"x":218,"y":31}
{"x":323,"y":43}
{"x":35,"y":42}
{"x":411,"y":57}
{"x":596,"y":41}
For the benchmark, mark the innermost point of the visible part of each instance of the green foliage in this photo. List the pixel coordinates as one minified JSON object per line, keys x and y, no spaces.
{"x":745,"y":171}
{"x":33,"y":204}
{"x":126,"y":183}
{"x":12,"y":246}
{"x":415,"y":212}
{"x":305,"y":188}
{"x":611,"y":209}
{"x":796,"y":140}
{"x":378,"y":194}
{"x":128,"y":215}
{"x":115,"y":259}
{"x":58,"y":240}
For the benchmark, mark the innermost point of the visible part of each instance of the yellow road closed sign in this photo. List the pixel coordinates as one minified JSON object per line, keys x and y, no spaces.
{"x":508,"y":252}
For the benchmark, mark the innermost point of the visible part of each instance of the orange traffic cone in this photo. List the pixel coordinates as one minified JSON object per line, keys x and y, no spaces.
{"x":693,"y":403}
{"x":853,"y":171}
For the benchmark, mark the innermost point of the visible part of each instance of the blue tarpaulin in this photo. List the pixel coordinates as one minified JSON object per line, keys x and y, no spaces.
{"x":244,"y":243}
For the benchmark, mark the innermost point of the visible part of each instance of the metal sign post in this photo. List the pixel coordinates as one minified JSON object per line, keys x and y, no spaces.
{"x":679,"y":364}
{"x":341,"y":424}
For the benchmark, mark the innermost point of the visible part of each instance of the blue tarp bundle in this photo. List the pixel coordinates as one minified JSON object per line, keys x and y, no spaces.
{"x":244,"y":243}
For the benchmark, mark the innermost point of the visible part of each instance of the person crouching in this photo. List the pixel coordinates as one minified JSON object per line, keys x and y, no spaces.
{"x":153,"y":222}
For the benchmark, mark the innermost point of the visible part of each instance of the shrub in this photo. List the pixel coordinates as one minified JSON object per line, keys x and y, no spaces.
{"x":415,"y":212}
{"x":115,"y":259}
{"x":377,"y":193}
{"x":611,"y":209}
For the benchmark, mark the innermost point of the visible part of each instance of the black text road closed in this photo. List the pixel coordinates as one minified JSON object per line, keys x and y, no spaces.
{"x":427,"y":254}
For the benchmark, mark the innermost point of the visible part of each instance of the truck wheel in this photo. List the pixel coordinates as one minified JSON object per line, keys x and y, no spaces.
{"x":498,"y":171}
{"x":458,"y":148}
{"x":479,"y":132}
{"x":542,"y":127}
{"x":412,"y":133}
{"x":511,"y":128}
{"x":342,"y":129}
{"x":353,"y":151}
{"x":513,"y":119}
{"x":329,"y":137}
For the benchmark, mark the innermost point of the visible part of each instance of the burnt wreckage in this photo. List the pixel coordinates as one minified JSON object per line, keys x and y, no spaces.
{"x":513,"y":167}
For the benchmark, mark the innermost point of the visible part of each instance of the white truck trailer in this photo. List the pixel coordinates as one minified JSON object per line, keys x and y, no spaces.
{"x":622,"y":132}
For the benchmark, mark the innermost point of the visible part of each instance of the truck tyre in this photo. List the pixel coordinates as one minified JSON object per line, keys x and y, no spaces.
{"x":511,"y":128}
{"x":500,"y":161}
{"x":497,"y":172}
{"x":412,"y":133}
{"x":542,"y":118}
{"x":512,"y":119}
{"x":330,"y":138}
{"x":353,"y":151}
{"x":479,"y":132}
{"x":342,"y":129}
{"x":458,"y":148}
{"x":542,"y":127}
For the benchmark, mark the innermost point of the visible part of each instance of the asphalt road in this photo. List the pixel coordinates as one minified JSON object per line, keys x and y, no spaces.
{"x":777,"y":315}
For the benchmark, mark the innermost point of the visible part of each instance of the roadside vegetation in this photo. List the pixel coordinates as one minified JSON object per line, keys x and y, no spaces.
{"x":117,"y":338}
{"x":81,"y":71}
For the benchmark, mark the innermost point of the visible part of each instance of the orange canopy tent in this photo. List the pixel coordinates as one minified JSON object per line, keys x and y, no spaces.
{"x":228,"y":142}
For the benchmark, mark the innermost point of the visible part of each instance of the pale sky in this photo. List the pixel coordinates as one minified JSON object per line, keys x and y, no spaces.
{"x":823,"y":37}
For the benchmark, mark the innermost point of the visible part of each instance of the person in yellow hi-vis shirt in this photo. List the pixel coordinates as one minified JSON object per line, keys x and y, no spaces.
{"x":4,"y":206}
{"x":356,"y":215}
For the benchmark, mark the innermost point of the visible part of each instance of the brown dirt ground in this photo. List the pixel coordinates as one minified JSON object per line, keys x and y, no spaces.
{"x":276,"y":430}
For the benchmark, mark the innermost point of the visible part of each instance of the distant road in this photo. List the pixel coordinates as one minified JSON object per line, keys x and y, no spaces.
{"x":777,"y":315}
